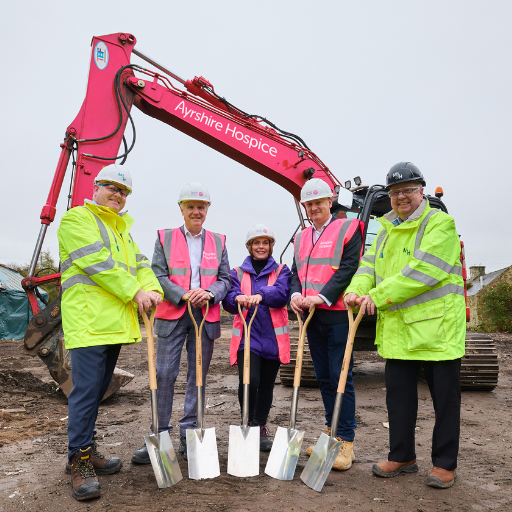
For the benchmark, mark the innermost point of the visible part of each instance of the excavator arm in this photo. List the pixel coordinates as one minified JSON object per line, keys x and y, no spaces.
{"x":95,"y":136}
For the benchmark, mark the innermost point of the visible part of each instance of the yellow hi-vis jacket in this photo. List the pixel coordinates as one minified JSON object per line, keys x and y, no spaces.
{"x":102,"y":270}
{"x":413,"y":274}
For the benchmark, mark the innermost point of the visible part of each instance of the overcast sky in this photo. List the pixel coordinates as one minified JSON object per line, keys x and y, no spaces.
{"x":366,"y":84}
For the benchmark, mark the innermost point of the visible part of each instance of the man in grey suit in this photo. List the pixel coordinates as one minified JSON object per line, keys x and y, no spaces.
{"x":191,"y":264}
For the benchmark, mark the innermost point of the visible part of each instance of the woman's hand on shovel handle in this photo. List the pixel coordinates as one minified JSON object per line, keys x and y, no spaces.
{"x":296,"y":303}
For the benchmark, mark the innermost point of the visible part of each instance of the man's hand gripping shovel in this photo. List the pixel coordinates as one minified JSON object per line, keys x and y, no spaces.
{"x":244,"y":441}
{"x":159,"y":445}
{"x":202,"y":455}
{"x":285,"y":452}
{"x":327,"y":447}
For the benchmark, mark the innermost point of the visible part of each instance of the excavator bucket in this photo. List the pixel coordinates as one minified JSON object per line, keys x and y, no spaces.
{"x":45,"y":338}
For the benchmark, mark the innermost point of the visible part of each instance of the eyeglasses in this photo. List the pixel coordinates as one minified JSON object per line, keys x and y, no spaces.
{"x":407,"y":192}
{"x":113,"y":189}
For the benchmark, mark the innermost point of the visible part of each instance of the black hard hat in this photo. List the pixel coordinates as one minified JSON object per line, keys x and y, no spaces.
{"x":402,"y":172}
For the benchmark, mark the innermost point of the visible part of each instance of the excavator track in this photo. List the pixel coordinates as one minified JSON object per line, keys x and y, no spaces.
{"x":479,"y":367}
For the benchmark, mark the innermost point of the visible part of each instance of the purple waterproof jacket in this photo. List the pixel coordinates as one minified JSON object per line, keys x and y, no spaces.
{"x":263,"y":339}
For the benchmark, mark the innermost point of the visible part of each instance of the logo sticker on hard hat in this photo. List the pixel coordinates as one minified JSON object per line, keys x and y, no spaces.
{"x":100,"y":55}
{"x":397,"y":175}
{"x":121,"y":175}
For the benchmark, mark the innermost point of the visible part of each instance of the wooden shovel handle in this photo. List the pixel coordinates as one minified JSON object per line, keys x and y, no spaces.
{"x":150,"y":338}
{"x":300,"y":347}
{"x":247,"y":344}
{"x":199,"y":343}
{"x":353,"y":324}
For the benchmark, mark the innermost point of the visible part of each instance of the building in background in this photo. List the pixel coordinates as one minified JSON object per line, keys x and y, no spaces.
{"x":478,"y":285}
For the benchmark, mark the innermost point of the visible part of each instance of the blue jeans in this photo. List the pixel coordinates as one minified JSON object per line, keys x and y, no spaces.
{"x":91,"y":371}
{"x":327,"y":344}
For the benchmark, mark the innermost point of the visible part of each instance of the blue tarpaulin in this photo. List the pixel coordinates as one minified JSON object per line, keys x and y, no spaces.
{"x":15,"y":311}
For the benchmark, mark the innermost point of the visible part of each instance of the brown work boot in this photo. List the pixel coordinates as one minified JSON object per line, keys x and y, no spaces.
{"x":388,"y":469}
{"x":83,"y":478}
{"x":440,"y":478}
{"x":101,"y":465}
{"x":345,"y":456}
{"x":309,"y":449}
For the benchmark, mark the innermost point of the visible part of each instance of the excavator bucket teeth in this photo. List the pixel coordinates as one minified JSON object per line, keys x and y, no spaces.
{"x":49,"y":346}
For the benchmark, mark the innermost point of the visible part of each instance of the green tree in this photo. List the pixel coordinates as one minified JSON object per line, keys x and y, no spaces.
{"x":45,"y":265}
{"x":497,"y":305}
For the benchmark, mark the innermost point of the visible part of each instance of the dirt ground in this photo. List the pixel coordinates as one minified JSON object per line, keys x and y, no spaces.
{"x":33,"y":445}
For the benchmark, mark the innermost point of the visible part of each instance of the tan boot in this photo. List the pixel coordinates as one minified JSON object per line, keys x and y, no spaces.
{"x":101,"y":465}
{"x":345,"y":456}
{"x":389,"y":468}
{"x":83,"y":478}
{"x":309,"y":449}
{"x":441,"y":478}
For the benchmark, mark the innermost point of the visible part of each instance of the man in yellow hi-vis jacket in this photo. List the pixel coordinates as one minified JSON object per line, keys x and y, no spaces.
{"x":104,"y":280}
{"x":412,"y":277}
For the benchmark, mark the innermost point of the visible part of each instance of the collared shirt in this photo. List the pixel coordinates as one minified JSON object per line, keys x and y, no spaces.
{"x":316,"y":233}
{"x":195,"y":247}
{"x":399,"y":221}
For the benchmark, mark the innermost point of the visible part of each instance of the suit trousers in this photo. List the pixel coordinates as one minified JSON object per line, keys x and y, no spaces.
{"x":91,"y":371}
{"x":168,"y":356}
{"x":402,"y":403}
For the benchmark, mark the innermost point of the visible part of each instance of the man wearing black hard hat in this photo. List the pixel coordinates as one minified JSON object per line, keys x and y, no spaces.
{"x":412,"y":276}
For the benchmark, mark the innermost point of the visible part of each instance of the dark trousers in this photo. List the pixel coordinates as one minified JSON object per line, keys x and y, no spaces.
{"x":91,"y":371}
{"x":327,"y":344}
{"x":263,"y":374}
{"x":402,"y":403}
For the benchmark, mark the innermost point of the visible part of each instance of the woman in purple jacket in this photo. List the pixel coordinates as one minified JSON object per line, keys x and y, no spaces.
{"x":260,"y":280}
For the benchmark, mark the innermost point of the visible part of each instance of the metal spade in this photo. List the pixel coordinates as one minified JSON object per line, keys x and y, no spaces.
{"x":327,"y":447}
{"x":244,"y":441}
{"x":202,"y":455}
{"x":161,"y":453}
{"x":285,"y":452}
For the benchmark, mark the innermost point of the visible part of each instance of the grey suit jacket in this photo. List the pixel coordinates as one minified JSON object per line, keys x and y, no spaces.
{"x":173,"y":292}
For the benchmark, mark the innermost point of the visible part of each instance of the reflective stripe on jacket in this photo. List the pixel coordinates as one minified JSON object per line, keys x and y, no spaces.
{"x":279,"y":318}
{"x":177,"y":257}
{"x":316,"y":263}
{"x":413,"y":274}
{"x":102,"y":269}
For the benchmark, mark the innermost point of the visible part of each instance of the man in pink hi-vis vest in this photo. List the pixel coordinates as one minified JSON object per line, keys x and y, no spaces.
{"x":326,"y":256}
{"x":190,"y":263}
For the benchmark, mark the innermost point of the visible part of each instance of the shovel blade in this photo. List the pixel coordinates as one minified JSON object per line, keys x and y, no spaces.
{"x":163,"y":459}
{"x":244,"y":451}
{"x":320,"y":462}
{"x":284,"y":455}
{"x":202,"y":455}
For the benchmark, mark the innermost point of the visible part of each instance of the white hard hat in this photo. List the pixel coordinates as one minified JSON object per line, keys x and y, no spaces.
{"x":194,"y":192}
{"x":115,"y":173}
{"x":259,"y":230}
{"x":315,"y":189}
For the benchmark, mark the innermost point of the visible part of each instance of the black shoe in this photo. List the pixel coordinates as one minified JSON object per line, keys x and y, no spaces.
{"x":182,"y":448}
{"x":265,"y":442}
{"x":141,"y":456}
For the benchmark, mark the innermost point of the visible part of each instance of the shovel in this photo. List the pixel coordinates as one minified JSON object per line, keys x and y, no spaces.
{"x":244,"y":441}
{"x":161,"y":453}
{"x":285,"y":452}
{"x":202,"y":455}
{"x":327,"y":447}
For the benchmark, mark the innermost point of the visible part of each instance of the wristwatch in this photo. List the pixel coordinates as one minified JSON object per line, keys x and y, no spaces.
{"x":212,"y":296}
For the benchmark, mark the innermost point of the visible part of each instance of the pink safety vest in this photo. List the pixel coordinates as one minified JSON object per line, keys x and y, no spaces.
{"x":279,"y":317}
{"x":180,"y":272}
{"x":317,"y":263}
